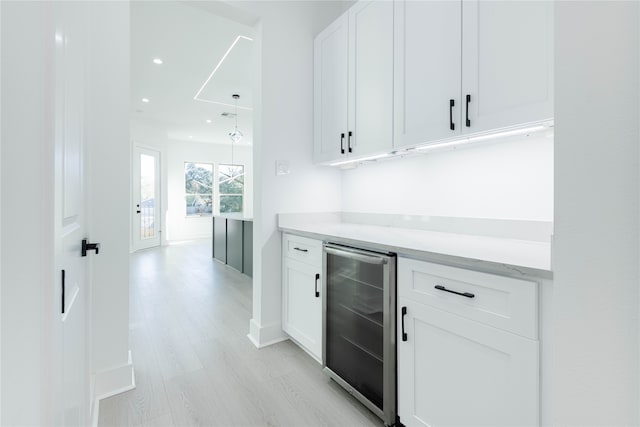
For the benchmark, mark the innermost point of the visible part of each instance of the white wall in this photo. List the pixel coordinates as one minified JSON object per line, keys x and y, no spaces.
{"x":595,"y":259}
{"x":108,"y":175}
{"x":283,"y":131}
{"x":505,"y":180}
{"x":174,"y":223}
{"x":25,"y":232}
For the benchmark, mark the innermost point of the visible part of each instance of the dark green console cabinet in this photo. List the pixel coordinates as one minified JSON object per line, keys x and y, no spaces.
{"x":233,"y":243}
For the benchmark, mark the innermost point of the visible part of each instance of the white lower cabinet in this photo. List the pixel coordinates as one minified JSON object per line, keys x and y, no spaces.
{"x":455,"y":371}
{"x":301,"y":293}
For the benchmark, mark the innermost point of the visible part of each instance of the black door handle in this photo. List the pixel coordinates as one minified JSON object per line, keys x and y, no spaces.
{"x":317,"y":278}
{"x":349,"y":141}
{"x":138,"y":206}
{"x":89,"y":247}
{"x":464,"y":294}
{"x":63,"y":289}
{"x":468,"y":122}
{"x":404,"y":313}
{"x":342,"y":143}
{"x":452,"y":125}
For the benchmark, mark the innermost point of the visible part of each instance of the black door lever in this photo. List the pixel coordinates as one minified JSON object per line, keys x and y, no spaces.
{"x":89,"y":247}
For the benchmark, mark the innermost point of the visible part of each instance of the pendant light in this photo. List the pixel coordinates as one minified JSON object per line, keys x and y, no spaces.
{"x":235,"y":135}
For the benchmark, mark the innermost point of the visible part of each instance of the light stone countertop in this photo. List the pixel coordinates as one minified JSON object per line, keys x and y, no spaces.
{"x":238,"y":216}
{"x":512,"y":256}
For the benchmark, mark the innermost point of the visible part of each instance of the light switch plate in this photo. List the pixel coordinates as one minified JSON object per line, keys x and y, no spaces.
{"x":282,"y":167}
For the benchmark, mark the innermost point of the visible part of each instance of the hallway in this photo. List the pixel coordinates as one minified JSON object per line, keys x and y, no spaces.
{"x":194,"y":364}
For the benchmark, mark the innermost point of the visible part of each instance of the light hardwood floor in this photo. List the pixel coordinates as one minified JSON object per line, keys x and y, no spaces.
{"x":194,"y":364}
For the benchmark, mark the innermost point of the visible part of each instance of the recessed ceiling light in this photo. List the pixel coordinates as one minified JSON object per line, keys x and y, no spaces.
{"x":190,"y":136}
{"x":145,"y":99}
{"x":208,"y":121}
{"x":157,"y":61}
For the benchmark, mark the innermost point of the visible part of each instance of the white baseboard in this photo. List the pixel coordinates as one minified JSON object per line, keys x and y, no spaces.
{"x":262,"y":336}
{"x":110,"y":382}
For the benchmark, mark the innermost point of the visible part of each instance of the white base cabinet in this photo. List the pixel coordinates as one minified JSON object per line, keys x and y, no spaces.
{"x":454,"y":370}
{"x":301,"y":288}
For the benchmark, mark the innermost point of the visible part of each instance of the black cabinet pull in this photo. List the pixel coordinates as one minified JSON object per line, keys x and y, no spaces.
{"x":464,"y":294}
{"x":317,"y":278}
{"x":468,"y":123}
{"x":452,"y":125}
{"x":301,"y":250}
{"x":342,"y":143}
{"x":86,"y":246}
{"x":404,"y":313}
{"x":349,"y":142}
{"x":63,"y":289}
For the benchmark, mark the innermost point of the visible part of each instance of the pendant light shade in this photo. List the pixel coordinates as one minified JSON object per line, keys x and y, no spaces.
{"x":235,"y":134}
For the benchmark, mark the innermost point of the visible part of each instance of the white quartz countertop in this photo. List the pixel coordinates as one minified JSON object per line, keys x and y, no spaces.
{"x":522,"y":256}
{"x":238,"y":216}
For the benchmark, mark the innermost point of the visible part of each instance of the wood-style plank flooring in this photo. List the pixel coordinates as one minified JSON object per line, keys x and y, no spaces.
{"x":194,"y":364}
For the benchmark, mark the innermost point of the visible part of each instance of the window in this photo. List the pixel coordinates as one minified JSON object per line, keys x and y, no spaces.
{"x":231,"y":187}
{"x":198,"y":188}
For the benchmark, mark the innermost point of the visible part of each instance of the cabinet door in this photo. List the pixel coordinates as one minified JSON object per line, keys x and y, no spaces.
{"x":507,"y":62}
{"x":234,"y":243}
{"x":220,"y":239}
{"x":330,"y":91}
{"x":370,"y":77}
{"x":453,"y":371}
{"x":302,"y":309}
{"x":427,"y":70}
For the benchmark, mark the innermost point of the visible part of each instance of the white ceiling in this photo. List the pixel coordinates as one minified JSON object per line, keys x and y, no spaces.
{"x":191,"y":43}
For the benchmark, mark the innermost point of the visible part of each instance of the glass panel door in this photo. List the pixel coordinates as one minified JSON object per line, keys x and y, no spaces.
{"x":354,"y":322}
{"x":146,"y":198}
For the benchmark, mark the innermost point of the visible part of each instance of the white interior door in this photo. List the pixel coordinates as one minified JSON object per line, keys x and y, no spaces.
{"x":70,"y":342}
{"x":146,"y":198}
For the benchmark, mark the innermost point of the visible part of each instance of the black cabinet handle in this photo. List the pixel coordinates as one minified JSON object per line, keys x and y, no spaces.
{"x":452,"y":125}
{"x":404,"y":313}
{"x":63,"y":289}
{"x":468,"y":123}
{"x":89,"y":247}
{"x":464,"y":294}
{"x":349,"y":141}
{"x":342,"y":143}
{"x":317,"y":278}
{"x":301,"y":250}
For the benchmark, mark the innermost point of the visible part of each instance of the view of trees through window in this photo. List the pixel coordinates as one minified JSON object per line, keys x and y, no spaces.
{"x":231,"y":187}
{"x":198,"y":180}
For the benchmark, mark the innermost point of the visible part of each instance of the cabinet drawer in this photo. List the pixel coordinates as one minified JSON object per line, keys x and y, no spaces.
{"x":502,"y":302}
{"x":303,"y":249}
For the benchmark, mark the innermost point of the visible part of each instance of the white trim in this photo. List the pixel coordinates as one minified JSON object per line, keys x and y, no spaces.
{"x":263,"y":336}
{"x":110,"y":382}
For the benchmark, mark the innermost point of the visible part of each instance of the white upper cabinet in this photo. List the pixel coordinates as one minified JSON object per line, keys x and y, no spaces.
{"x":507,"y":63}
{"x":428,"y":70}
{"x":370,"y":77}
{"x":353,"y":84}
{"x":331,"y":75}
{"x":470,"y":66}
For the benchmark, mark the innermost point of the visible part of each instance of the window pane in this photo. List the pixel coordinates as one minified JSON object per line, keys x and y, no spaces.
{"x":230,"y":203}
{"x":147,"y":196}
{"x":231,"y":187}
{"x":198,"y":183}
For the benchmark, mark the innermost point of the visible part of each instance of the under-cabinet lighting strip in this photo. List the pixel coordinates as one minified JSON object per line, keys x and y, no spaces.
{"x":483,"y":137}
{"x":449,"y":143}
{"x":363,"y":159}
